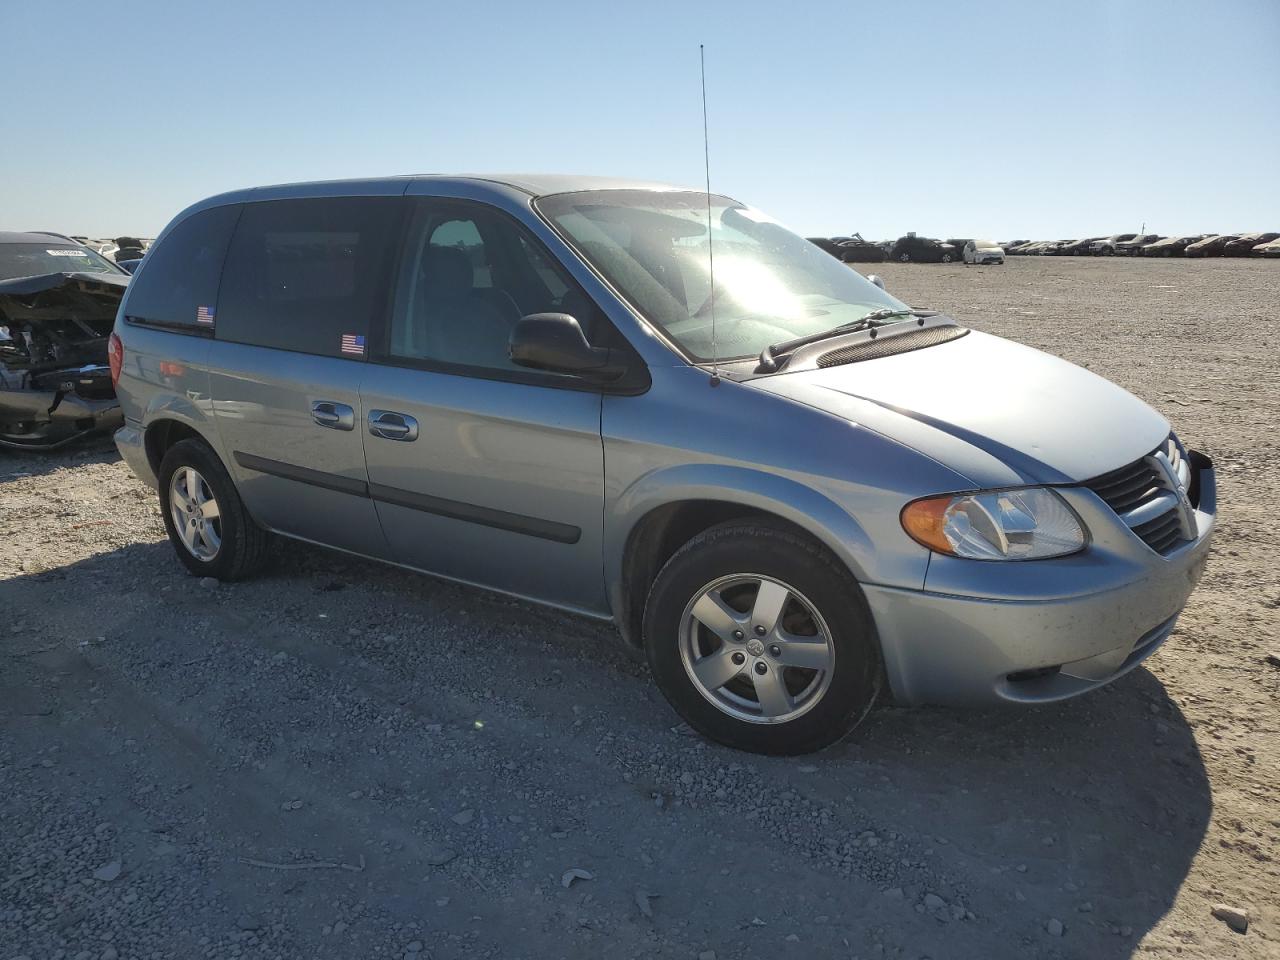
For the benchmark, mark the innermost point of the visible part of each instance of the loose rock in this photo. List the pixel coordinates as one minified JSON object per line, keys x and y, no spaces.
{"x":576,"y":873}
{"x":1234,"y":917}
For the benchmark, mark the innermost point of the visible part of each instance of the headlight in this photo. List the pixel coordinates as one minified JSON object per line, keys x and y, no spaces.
{"x":1028,"y":524}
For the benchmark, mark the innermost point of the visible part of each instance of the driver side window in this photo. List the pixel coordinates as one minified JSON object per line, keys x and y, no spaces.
{"x":468,"y":275}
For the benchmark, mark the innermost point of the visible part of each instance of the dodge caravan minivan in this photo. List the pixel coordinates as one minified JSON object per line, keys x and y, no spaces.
{"x":662,"y":409}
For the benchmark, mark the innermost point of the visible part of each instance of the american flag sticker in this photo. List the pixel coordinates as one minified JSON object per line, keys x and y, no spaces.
{"x":353,"y":344}
{"x":204,"y":314}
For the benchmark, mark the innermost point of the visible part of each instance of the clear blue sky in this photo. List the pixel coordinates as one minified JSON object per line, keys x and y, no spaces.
{"x":964,"y":118}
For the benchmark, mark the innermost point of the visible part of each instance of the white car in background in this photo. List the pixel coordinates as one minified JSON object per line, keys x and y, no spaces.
{"x":983,"y":251}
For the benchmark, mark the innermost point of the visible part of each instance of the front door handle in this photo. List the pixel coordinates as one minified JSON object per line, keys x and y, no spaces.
{"x":335,"y":416}
{"x":390,"y":425}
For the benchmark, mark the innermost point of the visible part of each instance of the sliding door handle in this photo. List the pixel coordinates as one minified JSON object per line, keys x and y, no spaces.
{"x":336,"y":416}
{"x":390,"y":425}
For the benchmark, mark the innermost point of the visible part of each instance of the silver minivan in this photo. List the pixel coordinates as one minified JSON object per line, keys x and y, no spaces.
{"x":659,"y":408}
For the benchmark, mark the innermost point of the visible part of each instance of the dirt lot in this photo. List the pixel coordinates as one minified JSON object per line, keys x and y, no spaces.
{"x":342,"y":760}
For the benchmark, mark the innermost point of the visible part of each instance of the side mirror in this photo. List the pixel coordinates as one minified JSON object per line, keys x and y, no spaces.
{"x":555,"y":342}
{"x":875,"y":278}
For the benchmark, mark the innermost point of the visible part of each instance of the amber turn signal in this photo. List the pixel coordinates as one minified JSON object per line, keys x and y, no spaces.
{"x":923,"y":520}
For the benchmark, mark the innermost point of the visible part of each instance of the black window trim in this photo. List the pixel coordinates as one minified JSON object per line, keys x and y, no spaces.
{"x":636,"y":381}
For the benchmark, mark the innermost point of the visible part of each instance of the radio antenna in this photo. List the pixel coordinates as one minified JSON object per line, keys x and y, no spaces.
{"x":711,"y":257}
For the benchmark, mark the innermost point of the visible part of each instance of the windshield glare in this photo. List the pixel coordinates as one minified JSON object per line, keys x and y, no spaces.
{"x":38,"y":259}
{"x":770,"y":284}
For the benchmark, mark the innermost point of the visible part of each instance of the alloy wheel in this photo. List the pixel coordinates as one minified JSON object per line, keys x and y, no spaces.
{"x":756,"y":648}
{"x":195,"y":513}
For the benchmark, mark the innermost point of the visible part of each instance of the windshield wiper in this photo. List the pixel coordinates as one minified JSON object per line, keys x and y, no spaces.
{"x":772,"y":355}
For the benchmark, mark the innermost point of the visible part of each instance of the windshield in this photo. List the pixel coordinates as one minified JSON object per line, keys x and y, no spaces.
{"x":38,"y":259}
{"x":770,"y":284}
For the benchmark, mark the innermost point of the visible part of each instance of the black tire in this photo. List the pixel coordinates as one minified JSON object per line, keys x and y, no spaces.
{"x":904,"y":257}
{"x":946,"y":258}
{"x":776,"y":552}
{"x":244,"y":544}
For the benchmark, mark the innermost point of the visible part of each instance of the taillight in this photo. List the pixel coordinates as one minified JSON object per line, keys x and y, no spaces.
{"x":115,"y":357}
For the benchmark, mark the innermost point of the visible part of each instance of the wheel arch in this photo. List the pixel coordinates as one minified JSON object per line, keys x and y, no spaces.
{"x":164,"y":430}
{"x":664,"y":511}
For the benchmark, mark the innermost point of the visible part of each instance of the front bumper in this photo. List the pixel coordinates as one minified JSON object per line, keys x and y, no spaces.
{"x":1039,"y":631}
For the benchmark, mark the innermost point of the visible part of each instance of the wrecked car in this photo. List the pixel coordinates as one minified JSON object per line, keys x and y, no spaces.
{"x":58,"y":301}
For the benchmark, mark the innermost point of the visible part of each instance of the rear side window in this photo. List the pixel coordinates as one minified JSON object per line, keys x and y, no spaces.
{"x":308,"y":275}
{"x":177,"y":285}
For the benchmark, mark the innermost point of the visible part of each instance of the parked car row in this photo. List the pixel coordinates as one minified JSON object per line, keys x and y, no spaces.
{"x":910,"y":248}
{"x":1152,"y":245}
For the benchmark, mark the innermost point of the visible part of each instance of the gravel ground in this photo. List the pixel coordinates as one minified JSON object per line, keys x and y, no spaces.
{"x":344,"y":760}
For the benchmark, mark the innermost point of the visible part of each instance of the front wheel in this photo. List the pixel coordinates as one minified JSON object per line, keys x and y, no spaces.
{"x":761,"y":640}
{"x":905,"y":257}
{"x":946,"y":258}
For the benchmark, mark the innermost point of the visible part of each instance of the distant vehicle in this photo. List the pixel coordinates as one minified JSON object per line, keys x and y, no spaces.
{"x":1271,"y":249}
{"x":1106,"y":247}
{"x":1129,"y":248}
{"x":1036,"y":248}
{"x":1243,"y":246}
{"x":913,"y":249}
{"x":1015,"y":248}
{"x":1211,"y":246}
{"x":1077,"y":248}
{"x":128,"y":248}
{"x":1055,"y":248}
{"x":58,"y":300}
{"x":958,"y":243}
{"x":857,"y":250}
{"x":828,"y":245}
{"x":983,"y":251}
{"x":1170,"y":246}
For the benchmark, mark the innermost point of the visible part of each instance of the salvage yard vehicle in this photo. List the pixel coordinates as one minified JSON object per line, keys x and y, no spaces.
{"x":58,"y":302}
{"x":1130,"y":248}
{"x":1210,"y":246}
{"x":913,"y":249}
{"x":1243,"y":246}
{"x":983,"y":251}
{"x":1106,"y":247}
{"x":1170,"y":246}
{"x":1270,"y":249}
{"x":857,"y":250}
{"x":786,"y":486}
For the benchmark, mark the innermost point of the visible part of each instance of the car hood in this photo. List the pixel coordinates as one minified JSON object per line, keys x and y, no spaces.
{"x":995,"y":411}
{"x":58,"y":319}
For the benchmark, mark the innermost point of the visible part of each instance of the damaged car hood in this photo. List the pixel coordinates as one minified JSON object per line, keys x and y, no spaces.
{"x":57,"y":319}
{"x":997,"y":412}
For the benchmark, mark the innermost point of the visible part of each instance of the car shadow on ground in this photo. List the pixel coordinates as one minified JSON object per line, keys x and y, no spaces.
{"x":1087,"y":814}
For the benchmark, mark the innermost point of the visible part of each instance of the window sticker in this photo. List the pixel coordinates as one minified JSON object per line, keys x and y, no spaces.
{"x":67,"y":253}
{"x":353,"y":344}
{"x":204,"y":314}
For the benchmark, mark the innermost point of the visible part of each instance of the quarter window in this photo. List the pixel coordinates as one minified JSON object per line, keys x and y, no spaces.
{"x":307,"y":275}
{"x":177,"y":284}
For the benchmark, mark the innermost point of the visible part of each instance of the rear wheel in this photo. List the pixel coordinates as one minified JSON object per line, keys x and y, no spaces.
{"x":211,"y":531}
{"x":762,"y":640}
{"x":946,"y":258}
{"x":905,"y":257}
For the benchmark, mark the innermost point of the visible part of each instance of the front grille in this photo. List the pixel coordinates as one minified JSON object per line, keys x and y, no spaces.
{"x":1150,"y":499}
{"x":885,"y":346}
{"x":1128,"y":487}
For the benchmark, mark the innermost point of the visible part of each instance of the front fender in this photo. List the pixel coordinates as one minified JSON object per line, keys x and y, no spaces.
{"x":784,"y":497}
